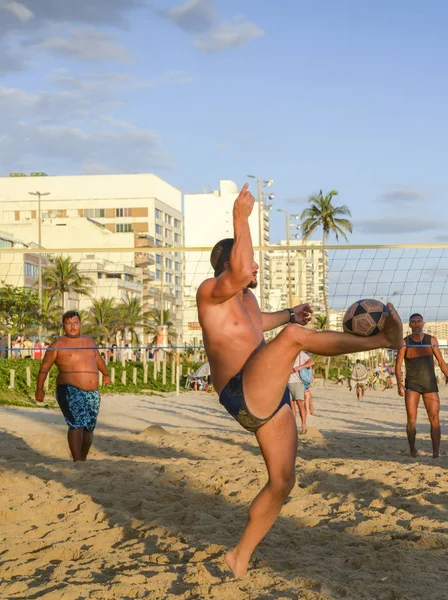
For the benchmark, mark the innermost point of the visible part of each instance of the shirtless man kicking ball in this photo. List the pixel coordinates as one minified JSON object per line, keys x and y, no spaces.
{"x":251,"y":376}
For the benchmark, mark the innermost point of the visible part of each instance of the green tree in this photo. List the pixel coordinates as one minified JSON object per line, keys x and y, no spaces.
{"x":49,"y":316}
{"x":19,"y":310}
{"x":63,"y":277}
{"x":321,"y":322}
{"x":132,"y":318}
{"x":160,"y":318}
{"x":322,"y":214}
{"x":101,"y":319}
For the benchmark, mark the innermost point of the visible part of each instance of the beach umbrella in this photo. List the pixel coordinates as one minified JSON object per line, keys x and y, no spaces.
{"x":203,"y":371}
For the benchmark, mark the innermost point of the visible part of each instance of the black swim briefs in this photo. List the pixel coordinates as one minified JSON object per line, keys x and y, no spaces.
{"x":232,"y":398}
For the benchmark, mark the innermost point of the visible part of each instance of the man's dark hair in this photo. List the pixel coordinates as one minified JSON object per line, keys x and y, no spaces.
{"x":221,"y":254}
{"x":69,"y":314}
{"x":416,"y":315}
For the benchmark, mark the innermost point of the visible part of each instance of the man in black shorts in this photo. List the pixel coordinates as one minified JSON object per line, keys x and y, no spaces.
{"x":418,"y":353}
{"x":250,"y":375}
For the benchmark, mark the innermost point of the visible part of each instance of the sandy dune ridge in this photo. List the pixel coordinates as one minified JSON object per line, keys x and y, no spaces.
{"x":166,"y":492}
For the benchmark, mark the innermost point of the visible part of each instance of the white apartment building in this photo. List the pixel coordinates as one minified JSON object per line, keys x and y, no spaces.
{"x":208,"y":218}
{"x":19,"y":269}
{"x":140,"y":204}
{"x":113,"y":274}
{"x":297,"y":274}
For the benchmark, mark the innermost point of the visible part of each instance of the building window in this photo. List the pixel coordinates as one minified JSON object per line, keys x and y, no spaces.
{"x":158,"y":259}
{"x":158,"y":214}
{"x":168,"y":263}
{"x":176,"y":238}
{"x":72,"y":212}
{"x":5,"y":244}
{"x":159,"y":243}
{"x":31,"y":270}
{"x":177,"y":280}
{"x":123,"y":227}
{"x":93,"y":213}
{"x":9,"y":215}
{"x":168,"y":277}
{"x":177,"y":223}
{"x":158,"y":274}
{"x":177,"y":266}
{"x":168,"y":219}
{"x":122,"y":212}
{"x":159,"y":229}
{"x":25,"y":215}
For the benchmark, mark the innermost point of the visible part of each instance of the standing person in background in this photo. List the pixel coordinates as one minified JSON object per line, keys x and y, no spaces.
{"x":418,"y":353}
{"x":37,"y":350}
{"x":298,"y":384}
{"x":360,"y":377}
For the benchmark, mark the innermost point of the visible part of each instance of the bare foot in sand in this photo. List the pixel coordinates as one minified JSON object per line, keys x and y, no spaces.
{"x":413,"y":452}
{"x":435,"y":455}
{"x":238,"y":569}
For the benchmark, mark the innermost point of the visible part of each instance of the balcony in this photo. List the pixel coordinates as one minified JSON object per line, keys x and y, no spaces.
{"x":143,"y":259}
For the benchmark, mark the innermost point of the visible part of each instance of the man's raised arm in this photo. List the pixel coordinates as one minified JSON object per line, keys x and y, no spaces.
{"x":238,"y":270}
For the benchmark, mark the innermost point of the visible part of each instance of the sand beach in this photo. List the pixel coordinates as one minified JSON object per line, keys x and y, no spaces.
{"x":166,"y":490}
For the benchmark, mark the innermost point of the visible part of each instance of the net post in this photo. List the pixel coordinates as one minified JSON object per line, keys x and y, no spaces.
{"x":28,"y":376}
{"x":12,"y":376}
{"x":112,"y":375}
{"x":134,"y":375}
{"x":164,"y":371}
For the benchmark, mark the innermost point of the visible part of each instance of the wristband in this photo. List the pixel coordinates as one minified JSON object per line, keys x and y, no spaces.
{"x":292,"y":315}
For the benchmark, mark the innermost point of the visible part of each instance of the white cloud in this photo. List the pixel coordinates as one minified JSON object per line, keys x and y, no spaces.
{"x":18,"y":9}
{"x":35,"y":131}
{"x":212,"y":33}
{"x":103,"y":82}
{"x":397,"y":225}
{"x":227,"y":35}
{"x":403,"y":195}
{"x":86,"y":45}
{"x":192,"y":16}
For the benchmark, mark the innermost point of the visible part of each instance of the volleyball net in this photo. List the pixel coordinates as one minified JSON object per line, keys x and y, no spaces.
{"x":146,"y":297}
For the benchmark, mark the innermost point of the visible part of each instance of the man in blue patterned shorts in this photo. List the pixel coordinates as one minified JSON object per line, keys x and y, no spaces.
{"x":78,"y":361}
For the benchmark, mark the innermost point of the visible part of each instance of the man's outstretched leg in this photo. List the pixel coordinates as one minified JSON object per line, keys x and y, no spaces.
{"x":267,"y":371}
{"x":278,"y":444}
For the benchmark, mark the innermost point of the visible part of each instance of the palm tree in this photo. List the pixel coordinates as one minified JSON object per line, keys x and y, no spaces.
{"x":321,"y":322}
{"x":131,"y":317}
{"x":63,"y":277}
{"x":160,"y":318}
{"x":101,"y":318}
{"x":323,"y":214}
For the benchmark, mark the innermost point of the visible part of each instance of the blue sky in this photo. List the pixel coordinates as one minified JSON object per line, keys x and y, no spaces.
{"x":315,"y":94}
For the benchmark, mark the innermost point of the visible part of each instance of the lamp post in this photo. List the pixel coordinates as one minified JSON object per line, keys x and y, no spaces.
{"x":288,"y":225}
{"x":261,"y":183}
{"x":39,"y":242}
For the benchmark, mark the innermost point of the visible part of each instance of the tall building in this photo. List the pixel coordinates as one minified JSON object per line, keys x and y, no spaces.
{"x":208,"y":217}
{"x":297,"y":275}
{"x":19,"y":269}
{"x":143,"y":205}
